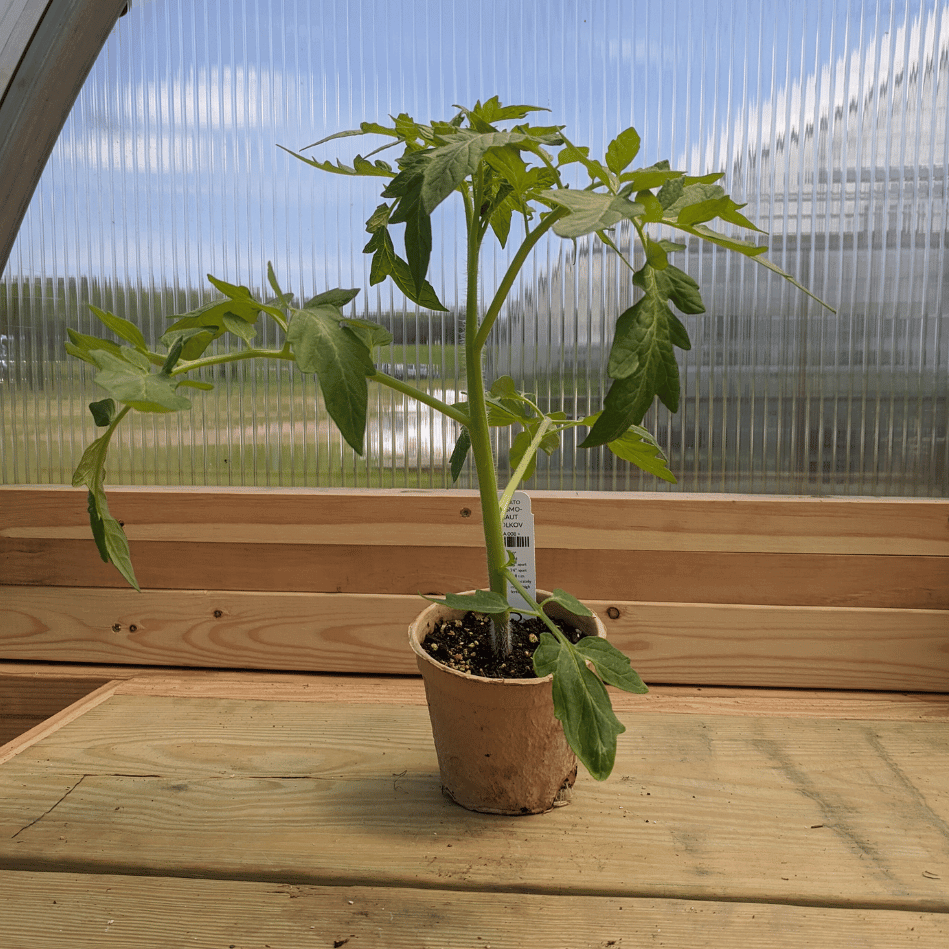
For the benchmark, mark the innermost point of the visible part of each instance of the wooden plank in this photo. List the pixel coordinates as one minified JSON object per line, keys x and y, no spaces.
{"x":24,"y":703}
{"x":567,"y":520}
{"x":674,"y":643}
{"x":748,"y":809}
{"x":63,"y":716}
{"x":87,"y":911}
{"x":408,"y":690}
{"x":875,"y":581}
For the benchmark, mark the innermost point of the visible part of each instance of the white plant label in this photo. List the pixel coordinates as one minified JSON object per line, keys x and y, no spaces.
{"x":519,"y":540}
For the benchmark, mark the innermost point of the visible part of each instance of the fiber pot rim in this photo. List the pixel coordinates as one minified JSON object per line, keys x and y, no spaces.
{"x":553,"y":610}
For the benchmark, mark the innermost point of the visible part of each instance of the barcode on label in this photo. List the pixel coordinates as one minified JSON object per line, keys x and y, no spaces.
{"x":516,"y":540}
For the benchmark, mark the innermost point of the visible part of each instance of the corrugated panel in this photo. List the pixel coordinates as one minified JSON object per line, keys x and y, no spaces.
{"x":830,"y":120}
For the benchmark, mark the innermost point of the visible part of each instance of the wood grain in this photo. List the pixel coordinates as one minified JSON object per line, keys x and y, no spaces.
{"x":684,"y":643}
{"x":566,"y":520}
{"x":25,"y":703}
{"x":88,"y":911}
{"x":408,"y":690}
{"x":55,"y":721}
{"x":725,"y":808}
{"x":778,"y":579}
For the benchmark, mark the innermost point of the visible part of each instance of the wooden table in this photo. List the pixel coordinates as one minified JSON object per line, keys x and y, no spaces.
{"x":293,"y":811}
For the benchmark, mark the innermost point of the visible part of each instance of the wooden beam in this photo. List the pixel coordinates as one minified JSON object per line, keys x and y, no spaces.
{"x":685,"y":643}
{"x":47,"y":48}
{"x":87,"y":911}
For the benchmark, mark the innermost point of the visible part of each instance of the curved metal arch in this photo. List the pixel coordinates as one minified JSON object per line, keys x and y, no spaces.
{"x":47,"y":48}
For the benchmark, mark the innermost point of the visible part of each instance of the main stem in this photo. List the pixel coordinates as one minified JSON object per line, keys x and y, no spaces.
{"x":479,"y":430}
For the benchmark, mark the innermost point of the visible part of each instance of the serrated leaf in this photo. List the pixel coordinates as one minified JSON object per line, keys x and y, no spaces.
{"x":410,"y":210}
{"x":622,"y":150}
{"x":121,"y":327}
{"x":342,"y":364}
{"x":481,"y":601}
{"x":448,"y":165}
{"x":459,"y":454}
{"x":590,"y":211}
{"x":625,"y":404}
{"x":581,"y":704}
{"x":386,"y":263}
{"x":675,"y":285}
{"x":610,"y":664}
{"x":637,"y":446}
{"x":642,"y":341}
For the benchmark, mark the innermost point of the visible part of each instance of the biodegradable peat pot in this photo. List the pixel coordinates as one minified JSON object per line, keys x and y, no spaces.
{"x":500,"y":749}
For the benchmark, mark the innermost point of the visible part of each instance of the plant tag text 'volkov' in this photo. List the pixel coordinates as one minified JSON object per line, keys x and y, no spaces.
{"x":519,"y":540}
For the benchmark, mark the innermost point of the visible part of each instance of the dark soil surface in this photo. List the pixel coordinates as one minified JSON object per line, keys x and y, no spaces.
{"x":465,"y":645}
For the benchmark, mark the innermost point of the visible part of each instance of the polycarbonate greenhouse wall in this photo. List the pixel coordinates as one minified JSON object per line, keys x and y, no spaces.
{"x":828,"y":117}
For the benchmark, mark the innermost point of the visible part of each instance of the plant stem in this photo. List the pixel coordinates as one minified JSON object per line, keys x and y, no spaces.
{"x":384,"y":379}
{"x":518,"y":475}
{"x":479,"y":430}
{"x":540,"y":614}
{"x":504,"y":288}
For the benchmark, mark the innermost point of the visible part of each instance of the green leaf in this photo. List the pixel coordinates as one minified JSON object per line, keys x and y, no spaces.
{"x":371,"y":334}
{"x":610,"y":664}
{"x":590,"y":211}
{"x":675,"y":285}
{"x":174,"y":354}
{"x":283,"y":298}
{"x":135,"y":386}
{"x":341,"y":362}
{"x":234,"y":324}
{"x":121,"y":327}
{"x":448,"y":165}
{"x":568,"y":601}
{"x":103,"y":412}
{"x":386,"y":263}
{"x":409,"y":209}
{"x":625,"y":404}
{"x":338,"y":298}
{"x":481,"y":601}
{"x":581,"y":704}
{"x":196,"y":339}
{"x":459,"y":454}
{"x":106,"y":530}
{"x":504,"y":387}
{"x":196,"y":384}
{"x":645,"y":179}
{"x":637,"y":445}
{"x":519,"y":446}
{"x":622,"y":150}
{"x":82,"y":346}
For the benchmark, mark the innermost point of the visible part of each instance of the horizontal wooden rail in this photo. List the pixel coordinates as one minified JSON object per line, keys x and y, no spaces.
{"x":714,"y":590}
